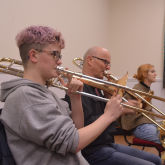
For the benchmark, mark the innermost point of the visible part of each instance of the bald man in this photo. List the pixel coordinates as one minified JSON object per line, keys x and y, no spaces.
{"x":103,"y":151}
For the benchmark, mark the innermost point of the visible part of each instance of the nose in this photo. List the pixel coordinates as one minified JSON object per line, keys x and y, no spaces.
{"x":155,"y":74}
{"x":59,"y":62}
{"x":108,"y":67}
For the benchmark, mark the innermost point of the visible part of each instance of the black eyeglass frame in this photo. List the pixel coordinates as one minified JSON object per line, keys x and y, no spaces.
{"x":104,"y":60}
{"x":56,"y":54}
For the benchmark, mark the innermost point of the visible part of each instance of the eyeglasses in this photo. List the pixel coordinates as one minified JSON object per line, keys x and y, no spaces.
{"x":106,"y":62}
{"x":56,"y":54}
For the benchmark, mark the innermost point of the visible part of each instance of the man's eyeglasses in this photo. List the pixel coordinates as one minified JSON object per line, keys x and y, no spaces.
{"x":56,"y":54}
{"x":106,"y":62}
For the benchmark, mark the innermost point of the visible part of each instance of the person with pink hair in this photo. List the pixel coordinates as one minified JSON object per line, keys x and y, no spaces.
{"x":40,"y":127}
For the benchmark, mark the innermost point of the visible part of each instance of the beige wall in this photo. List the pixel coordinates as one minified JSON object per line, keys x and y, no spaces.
{"x":136,"y":34}
{"x":131,"y":29}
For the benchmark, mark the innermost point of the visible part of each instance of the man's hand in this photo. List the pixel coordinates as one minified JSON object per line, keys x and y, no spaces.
{"x":113,"y":108}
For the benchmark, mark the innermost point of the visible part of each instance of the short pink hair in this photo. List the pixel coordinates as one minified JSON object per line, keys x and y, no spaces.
{"x":37,"y":37}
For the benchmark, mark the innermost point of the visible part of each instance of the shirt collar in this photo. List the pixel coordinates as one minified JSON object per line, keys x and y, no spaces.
{"x":145,"y":85}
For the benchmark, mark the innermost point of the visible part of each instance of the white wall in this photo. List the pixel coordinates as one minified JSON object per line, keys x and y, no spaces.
{"x":136,"y":34}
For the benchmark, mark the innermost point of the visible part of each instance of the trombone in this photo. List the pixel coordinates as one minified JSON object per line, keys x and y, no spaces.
{"x":98,"y":82}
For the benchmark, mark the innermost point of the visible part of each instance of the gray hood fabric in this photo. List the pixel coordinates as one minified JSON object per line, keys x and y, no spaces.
{"x":38,"y":125}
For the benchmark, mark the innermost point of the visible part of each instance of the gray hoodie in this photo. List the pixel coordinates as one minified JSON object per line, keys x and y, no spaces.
{"x":39,"y":128}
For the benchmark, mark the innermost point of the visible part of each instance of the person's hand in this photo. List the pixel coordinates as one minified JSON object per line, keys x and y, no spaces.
{"x":113,"y":108}
{"x":73,"y":86}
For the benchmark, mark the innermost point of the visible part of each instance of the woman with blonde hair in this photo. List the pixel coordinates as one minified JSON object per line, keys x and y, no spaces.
{"x":142,"y":127}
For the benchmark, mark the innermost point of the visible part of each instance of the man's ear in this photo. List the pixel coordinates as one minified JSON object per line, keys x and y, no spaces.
{"x":33,"y":55}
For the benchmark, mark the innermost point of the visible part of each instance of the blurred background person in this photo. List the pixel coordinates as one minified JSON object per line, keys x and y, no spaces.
{"x":142,"y":127}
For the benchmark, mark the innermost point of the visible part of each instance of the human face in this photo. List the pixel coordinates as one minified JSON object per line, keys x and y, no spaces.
{"x":151,"y":75}
{"x":49,"y":59}
{"x":101,"y":62}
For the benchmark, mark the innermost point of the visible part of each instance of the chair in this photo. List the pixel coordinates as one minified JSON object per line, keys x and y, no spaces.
{"x":6,"y":157}
{"x":137,"y":141}
{"x":144,"y":143}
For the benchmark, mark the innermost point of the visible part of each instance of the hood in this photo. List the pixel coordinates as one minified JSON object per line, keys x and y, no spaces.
{"x":10,"y":86}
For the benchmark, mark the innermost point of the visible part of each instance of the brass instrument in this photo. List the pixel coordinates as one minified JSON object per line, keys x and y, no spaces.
{"x":84,"y":78}
{"x":136,"y":93}
{"x":9,"y":69}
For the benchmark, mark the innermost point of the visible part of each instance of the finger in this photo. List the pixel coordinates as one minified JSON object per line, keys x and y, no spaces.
{"x":75,"y":85}
{"x":62,"y":81}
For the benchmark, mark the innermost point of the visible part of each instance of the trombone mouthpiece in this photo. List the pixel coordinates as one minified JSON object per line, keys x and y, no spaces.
{"x":60,"y":68}
{"x":108,"y":74}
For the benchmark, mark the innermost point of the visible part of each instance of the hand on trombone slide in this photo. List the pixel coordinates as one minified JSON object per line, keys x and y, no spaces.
{"x":115,"y":108}
{"x":72,"y":84}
